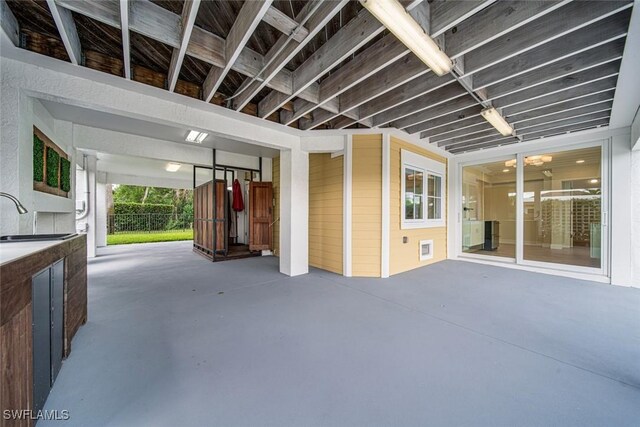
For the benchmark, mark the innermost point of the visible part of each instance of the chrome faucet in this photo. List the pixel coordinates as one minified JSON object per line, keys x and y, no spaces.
{"x":21,"y":209}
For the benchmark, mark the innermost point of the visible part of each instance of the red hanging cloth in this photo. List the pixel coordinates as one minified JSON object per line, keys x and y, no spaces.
{"x":238,"y":203}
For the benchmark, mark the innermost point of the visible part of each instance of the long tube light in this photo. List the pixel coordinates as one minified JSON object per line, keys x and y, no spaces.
{"x":496,"y":120}
{"x":393,"y":16}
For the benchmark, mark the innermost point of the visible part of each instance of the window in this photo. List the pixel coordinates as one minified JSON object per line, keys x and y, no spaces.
{"x":422,"y":191}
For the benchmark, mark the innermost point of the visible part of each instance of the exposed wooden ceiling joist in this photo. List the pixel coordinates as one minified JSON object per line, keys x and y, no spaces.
{"x":126,"y":47}
{"x":283,"y":23}
{"x":563,"y":106}
{"x":315,"y":16}
{"x":189,"y":12}
{"x":250,"y":15}
{"x":68,"y":32}
{"x":546,"y":117}
{"x":351,"y":37}
{"x":566,"y":129}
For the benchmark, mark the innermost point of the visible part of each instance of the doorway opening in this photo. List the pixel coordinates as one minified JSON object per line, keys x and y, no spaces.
{"x":233,"y":207}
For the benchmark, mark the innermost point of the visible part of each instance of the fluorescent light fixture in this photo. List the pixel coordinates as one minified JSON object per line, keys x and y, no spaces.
{"x":195,"y":136}
{"x":505,"y":170}
{"x":593,"y":181}
{"x":491,"y":115}
{"x":393,"y":16}
{"x":579,"y":162}
{"x":173,"y":167}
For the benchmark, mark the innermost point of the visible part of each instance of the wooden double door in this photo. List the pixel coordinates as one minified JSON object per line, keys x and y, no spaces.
{"x":259,"y":209}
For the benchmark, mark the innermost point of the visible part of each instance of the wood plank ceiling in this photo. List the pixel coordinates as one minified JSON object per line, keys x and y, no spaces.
{"x":550,"y":67}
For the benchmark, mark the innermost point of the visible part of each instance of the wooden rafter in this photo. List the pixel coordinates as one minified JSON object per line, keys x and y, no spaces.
{"x":248,"y":19}
{"x":189,"y":12}
{"x":287,"y":26}
{"x":68,"y":32}
{"x":315,"y":15}
{"x":126,"y":46}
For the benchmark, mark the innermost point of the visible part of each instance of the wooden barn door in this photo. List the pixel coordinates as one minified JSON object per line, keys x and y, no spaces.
{"x":260,"y":215}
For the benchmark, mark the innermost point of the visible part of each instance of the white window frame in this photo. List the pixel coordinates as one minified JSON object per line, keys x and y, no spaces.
{"x":428,"y":167}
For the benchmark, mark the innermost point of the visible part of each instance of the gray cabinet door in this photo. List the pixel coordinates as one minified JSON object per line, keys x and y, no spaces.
{"x":40,"y":309}
{"x":57,"y":316}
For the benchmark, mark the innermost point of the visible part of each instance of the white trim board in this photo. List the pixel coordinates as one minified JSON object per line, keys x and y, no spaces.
{"x":347,"y":266}
{"x":386,"y":208}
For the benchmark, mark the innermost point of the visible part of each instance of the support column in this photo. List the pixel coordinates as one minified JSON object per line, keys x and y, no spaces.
{"x":294,"y":212}
{"x":101,"y":210}
{"x":91,"y":202}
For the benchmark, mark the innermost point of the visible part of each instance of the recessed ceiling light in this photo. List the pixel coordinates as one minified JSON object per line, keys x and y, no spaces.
{"x":593,"y":181}
{"x":579,"y":162}
{"x":195,"y":136}
{"x":173,"y":167}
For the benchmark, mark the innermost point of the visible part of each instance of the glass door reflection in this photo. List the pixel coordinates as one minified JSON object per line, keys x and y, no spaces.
{"x":489,"y":209}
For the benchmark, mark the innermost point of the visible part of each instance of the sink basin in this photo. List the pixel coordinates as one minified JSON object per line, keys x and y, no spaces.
{"x":35,"y":237}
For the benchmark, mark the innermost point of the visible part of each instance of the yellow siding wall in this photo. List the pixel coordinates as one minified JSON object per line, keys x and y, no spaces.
{"x":275,"y":177}
{"x":325,"y":212}
{"x":366,"y":202}
{"x":405,"y":256}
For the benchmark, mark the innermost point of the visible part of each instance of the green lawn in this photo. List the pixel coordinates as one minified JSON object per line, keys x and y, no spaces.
{"x":163,"y":236}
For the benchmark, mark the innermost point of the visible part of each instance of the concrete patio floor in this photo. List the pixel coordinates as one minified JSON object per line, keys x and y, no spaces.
{"x":174,"y":340}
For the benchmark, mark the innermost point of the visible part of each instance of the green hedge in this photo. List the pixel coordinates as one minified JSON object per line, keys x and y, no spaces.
{"x":140,"y":208}
{"x":65,"y":174}
{"x":53,"y":164}
{"x":38,"y":159}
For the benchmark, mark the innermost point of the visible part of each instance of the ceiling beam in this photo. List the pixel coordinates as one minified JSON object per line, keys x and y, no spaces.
{"x":384,"y":52}
{"x":566,"y":19}
{"x":9,"y":23}
{"x":584,"y":61}
{"x":495,"y":138}
{"x":287,"y":26}
{"x":484,"y":135}
{"x":68,"y":32}
{"x":351,"y":37}
{"x":510,"y":15}
{"x":566,"y":129}
{"x":470,"y":129}
{"x":159,"y":24}
{"x":315,"y":15}
{"x":547,"y":117}
{"x":447,"y":14}
{"x":245,"y":24}
{"x":452,"y":122}
{"x":594,"y":35}
{"x":126,"y":45}
{"x":189,"y":13}
{"x":561,"y":107}
{"x":598,"y":116}
{"x":425,"y":102}
{"x":482,"y":145}
{"x":572,"y":94}
{"x":369,"y":79}
{"x":503,"y":16}
{"x":412,"y":123}
{"x":582,"y":77}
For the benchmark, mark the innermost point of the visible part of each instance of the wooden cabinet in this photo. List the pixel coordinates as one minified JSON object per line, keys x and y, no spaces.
{"x":47,"y":291}
{"x":39,"y":284}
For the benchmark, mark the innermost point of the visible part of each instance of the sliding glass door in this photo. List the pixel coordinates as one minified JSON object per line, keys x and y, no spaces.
{"x":563,"y":207}
{"x":548,"y":213}
{"x":489,"y":209}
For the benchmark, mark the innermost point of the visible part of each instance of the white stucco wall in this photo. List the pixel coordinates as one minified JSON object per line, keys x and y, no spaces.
{"x":53,"y":214}
{"x":635,"y":209}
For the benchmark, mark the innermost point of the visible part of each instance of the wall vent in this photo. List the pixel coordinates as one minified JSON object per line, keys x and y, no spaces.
{"x":426,"y":249}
